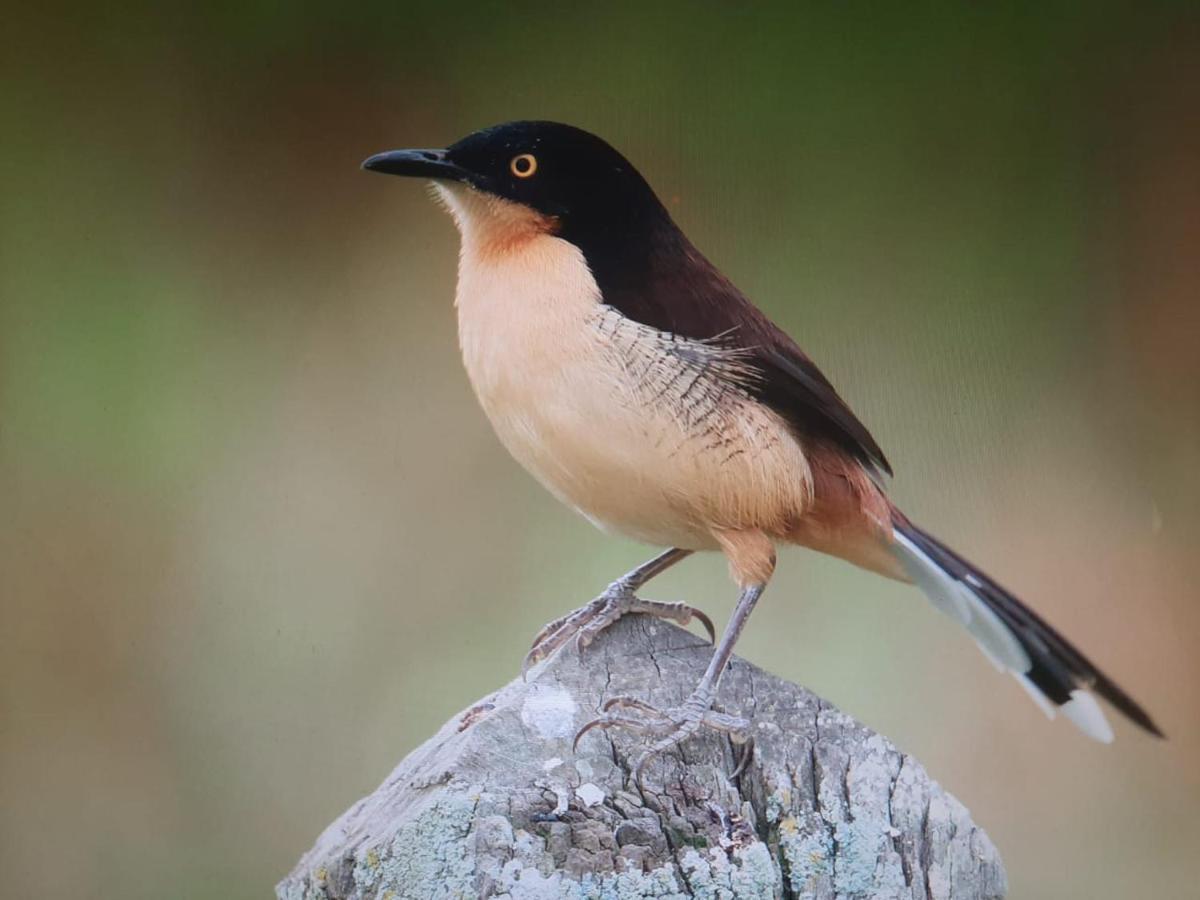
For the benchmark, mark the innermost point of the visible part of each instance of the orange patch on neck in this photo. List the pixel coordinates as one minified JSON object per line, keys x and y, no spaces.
{"x":508,"y":234}
{"x":494,"y":226}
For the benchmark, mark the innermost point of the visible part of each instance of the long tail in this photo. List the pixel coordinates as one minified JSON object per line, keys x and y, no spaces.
{"x":1055,"y":674}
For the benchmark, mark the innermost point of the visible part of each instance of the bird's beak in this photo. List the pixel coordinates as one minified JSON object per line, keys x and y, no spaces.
{"x":416,"y":163}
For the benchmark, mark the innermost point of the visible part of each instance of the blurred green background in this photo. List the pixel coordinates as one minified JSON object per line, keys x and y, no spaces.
{"x":257,"y":541}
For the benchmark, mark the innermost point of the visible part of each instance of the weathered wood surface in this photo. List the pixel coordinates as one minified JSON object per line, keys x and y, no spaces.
{"x":495,"y":805}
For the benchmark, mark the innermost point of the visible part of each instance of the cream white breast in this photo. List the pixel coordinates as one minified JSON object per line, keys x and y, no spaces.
{"x":644,"y":433}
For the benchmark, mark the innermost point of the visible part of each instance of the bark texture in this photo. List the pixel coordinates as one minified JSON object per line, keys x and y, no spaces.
{"x":495,"y":805}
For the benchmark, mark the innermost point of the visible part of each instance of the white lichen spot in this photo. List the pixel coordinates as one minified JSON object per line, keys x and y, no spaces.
{"x":550,"y":711}
{"x":527,"y":881}
{"x":561,"y":799}
{"x":589,"y":794}
{"x":552,"y":763}
{"x":877,"y":744}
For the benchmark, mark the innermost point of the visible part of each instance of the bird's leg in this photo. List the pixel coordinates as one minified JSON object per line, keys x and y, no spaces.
{"x":673,"y":726}
{"x":618,"y":599}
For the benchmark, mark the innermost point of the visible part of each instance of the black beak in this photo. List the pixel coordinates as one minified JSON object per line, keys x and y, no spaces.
{"x":416,"y":163}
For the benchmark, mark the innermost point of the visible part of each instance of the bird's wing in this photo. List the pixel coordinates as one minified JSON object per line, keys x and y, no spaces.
{"x":793,"y":386}
{"x":695,"y":300}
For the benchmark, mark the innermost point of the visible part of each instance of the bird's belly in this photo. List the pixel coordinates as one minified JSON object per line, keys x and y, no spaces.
{"x":618,"y":468}
{"x":661,"y":455}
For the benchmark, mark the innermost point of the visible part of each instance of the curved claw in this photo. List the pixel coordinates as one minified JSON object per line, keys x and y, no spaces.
{"x":542,"y":649}
{"x":548,"y":629}
{"x":744,"y":762}
{"x":528,"y":663}
{"x":595,"y":723}
{"x":707,"y":623}
{"x":606,"y":721}
{"x":639,"y":768}
{"x":633,"y":703}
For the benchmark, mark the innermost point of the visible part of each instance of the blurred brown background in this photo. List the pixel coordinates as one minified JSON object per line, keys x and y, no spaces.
{"x":257,"y":541}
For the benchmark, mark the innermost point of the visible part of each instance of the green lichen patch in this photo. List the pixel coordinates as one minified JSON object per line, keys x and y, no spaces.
{"x":429,"y":858}
{"x":807,"y":850}
{"x":750,"y":873}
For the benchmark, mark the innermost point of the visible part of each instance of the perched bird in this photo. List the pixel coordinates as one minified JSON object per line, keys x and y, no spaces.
{"x":635,"y":382}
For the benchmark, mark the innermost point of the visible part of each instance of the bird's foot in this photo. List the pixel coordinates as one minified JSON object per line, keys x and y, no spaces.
{"x":669,"y":727}
{"x":585,"y":623}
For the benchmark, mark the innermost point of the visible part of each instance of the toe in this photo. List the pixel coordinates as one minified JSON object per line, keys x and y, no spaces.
{"x":727,"y":723}
{"x":548,"y":629}
{"x":609,"y":720}
{"x":634,"y":703}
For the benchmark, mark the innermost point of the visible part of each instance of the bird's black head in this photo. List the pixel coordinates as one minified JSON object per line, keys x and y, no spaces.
{"x":591,"y":190}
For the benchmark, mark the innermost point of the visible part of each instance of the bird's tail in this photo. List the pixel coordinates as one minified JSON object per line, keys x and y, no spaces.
{"x":1055,"y":674}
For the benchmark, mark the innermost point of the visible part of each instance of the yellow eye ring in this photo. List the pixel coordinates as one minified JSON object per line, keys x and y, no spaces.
{"x":524,"y":165}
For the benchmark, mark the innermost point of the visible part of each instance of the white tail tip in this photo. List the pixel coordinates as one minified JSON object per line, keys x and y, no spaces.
{"x":1085,"y":712}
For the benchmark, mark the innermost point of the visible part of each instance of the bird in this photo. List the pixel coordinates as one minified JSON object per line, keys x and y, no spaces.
{"x":632,"y":379}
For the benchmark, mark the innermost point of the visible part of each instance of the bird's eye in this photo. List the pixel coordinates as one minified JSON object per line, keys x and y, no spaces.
{"x":524,"y":165}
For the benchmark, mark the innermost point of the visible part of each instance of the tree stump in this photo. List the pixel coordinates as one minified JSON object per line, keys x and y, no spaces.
{"x":496,"y":805}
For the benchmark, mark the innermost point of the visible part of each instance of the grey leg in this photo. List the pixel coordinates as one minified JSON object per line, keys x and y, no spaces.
{"x":618,"y":599}
{"x":675,"y":725}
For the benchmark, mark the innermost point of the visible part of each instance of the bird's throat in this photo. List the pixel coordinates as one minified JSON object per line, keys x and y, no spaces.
{"x":491,"y":226}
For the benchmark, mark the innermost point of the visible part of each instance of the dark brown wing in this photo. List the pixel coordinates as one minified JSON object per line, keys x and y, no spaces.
{"x":675,"y":289}
{"x":794,"y":387}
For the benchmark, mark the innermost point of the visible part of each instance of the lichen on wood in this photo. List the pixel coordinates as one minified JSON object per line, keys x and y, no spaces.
{"x":496,"y":804}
